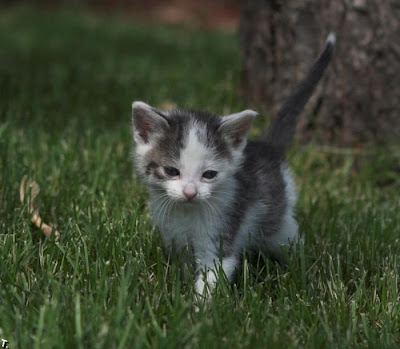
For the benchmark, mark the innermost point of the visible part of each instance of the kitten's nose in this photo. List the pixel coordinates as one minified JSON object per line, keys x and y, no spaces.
{"x":190,"y":191}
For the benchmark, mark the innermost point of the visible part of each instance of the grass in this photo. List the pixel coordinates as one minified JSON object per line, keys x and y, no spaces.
{"x":66,"y":84}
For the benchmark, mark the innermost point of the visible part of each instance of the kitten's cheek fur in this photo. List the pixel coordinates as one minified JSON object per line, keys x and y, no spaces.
{"x":140,"y":151}
{"x":174,"y":190}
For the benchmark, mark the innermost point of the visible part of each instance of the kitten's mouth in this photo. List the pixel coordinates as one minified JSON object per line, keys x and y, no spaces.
{"x":188,"y":202}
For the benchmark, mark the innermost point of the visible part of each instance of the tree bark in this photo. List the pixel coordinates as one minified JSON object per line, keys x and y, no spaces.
{"x":358,"y":99}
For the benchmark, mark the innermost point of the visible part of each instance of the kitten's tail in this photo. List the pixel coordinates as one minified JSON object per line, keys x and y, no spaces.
{"x":281,"y":131}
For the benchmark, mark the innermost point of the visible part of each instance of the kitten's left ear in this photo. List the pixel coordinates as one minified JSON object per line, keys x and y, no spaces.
{"x":148,"y":122}
{"x":236,"y":126}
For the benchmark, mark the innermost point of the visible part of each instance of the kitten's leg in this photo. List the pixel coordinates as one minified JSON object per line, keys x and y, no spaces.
{"x":286,"y":238}
{"x":208,"y":273}
{"x":207,"y":278}
{"x":186,"y":261}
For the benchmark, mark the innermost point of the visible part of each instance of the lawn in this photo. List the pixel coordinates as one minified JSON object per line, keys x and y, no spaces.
{"x":66,"y":86}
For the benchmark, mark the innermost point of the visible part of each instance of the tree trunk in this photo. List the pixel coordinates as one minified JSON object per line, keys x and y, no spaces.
{"x":358,"y":99}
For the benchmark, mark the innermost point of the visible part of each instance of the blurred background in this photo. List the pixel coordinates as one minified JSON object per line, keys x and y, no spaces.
{"x":217,"y":13}
{"x":92,"y":58}
{"x":357,"y":102}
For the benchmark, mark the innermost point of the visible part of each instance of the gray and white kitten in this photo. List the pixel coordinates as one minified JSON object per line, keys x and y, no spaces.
{"x":214,"y":191}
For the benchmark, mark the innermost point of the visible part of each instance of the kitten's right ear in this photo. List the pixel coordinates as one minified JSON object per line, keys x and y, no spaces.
{"x":147,"y":122}
{"x":236,"y":126}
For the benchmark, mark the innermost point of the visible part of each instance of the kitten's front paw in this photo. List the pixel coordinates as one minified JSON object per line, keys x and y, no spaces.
{"x":200,"y":287}
{"x":204,"y":285}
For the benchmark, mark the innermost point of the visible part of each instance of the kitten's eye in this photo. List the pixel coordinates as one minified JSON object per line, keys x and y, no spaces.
{"x":209,"y":174}
{"x":171,"y":171}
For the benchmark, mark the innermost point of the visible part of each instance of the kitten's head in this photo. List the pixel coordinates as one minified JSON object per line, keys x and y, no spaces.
{"x":190,"y":155}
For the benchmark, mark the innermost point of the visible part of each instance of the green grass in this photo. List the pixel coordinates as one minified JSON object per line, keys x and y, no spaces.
{"x":66,"y":85}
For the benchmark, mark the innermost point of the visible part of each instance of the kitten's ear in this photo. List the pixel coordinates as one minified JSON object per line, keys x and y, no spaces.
{"x":147,"y":122}
{"x":236,"y":126}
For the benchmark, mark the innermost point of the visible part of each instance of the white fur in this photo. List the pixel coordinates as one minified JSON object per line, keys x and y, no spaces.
{"x":209,"y":279}
{"x":141,"y":150}
{"x":290,"y":192}
{"x":229,"y":266}
{"x":195,"y":225}
{"x":196,"y":222}
{"x":331,"y":38}
{"x":194,"y":156}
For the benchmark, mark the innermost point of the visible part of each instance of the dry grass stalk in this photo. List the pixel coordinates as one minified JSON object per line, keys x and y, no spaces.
{"x":34,"y":188}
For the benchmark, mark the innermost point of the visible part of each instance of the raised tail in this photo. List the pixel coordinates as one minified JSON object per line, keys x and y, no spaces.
{"x":280,"y":133}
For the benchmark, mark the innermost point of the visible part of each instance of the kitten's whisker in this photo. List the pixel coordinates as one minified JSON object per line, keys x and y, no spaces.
{"x":167,"y":209}
{"x":156,"y":196}
{"x":213,"y":212}
{"x":158,"y":201}
{"x":163,"y":210}
{"x":158,"y":210}
{"x":224,"y":203}
{"x":207,"y":211}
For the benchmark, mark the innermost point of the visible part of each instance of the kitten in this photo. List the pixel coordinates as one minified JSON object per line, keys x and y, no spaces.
{"x":214,"y":191}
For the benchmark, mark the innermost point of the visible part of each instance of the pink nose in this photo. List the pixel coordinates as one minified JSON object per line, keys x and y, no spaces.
{"x":190,"y":191}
